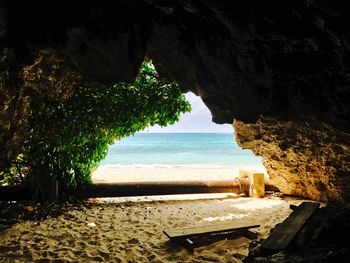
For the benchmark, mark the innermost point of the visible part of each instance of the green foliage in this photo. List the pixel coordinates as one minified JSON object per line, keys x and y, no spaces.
{"x":69,"y":138}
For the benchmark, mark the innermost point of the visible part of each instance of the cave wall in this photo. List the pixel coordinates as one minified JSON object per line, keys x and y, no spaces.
{"x":283,"y":61}
{"x":303,"y":158}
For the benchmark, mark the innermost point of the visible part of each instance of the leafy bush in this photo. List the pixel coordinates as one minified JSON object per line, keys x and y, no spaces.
{"x":69,"y":138}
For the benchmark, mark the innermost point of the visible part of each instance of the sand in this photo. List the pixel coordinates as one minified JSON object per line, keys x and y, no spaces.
{"x":126,"y":173}
{"x":130,"y":230}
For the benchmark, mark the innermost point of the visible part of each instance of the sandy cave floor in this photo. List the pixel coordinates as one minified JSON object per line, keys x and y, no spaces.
{"x":130,"y":230}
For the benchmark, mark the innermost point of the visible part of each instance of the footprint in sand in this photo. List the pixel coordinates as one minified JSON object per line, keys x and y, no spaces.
{"x":133,"y":241}
{"x":37,"y":239}
{"x":24,"y":232}
{"x":92,"y":243}
{"x":77,"y":252}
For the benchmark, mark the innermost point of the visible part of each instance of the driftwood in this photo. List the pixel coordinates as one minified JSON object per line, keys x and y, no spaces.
{"x":283,"y":233}
{"x":188,"y":236}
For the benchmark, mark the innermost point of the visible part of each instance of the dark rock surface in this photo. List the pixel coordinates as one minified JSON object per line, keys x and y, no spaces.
{"x":284,"y":60}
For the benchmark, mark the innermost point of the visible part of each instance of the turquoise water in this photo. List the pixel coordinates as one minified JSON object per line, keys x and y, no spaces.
{"x":179,"y":149}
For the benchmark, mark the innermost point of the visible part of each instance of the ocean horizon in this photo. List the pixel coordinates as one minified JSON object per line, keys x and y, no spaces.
{"x":183,"y":149}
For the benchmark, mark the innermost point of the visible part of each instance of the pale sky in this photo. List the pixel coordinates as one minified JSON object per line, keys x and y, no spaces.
{"x":198,"y":120}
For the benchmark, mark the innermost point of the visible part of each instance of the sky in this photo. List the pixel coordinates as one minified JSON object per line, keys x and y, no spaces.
{"x":198,"y":120}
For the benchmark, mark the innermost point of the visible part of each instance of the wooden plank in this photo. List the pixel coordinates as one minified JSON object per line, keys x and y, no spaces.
{"x":247,"y":233}
{"x":293,"y":207}
{"x":209,"y":229}
{"x":283,"y":234}
{"x":192,"y":242}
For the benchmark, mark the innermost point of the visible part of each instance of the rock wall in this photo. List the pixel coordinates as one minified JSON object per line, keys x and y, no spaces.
{"x":49,"y":77}
{"x":303,"y":158}
{"x":285,"y":60}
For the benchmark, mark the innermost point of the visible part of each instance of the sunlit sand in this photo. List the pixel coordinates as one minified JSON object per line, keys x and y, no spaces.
{"x":141,"y":173}
{"x":130,"y":230}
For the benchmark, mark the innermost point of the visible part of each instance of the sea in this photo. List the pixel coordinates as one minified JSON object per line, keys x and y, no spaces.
{"x":179,"y":149}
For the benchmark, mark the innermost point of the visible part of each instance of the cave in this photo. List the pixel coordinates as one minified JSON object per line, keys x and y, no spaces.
{"x":277,"y":70}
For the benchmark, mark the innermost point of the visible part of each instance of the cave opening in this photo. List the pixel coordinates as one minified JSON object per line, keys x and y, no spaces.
{"x":194,"y":148}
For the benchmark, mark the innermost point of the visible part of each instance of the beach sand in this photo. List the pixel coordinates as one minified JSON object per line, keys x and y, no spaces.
{"x":141,"y":173}
{"x":130,"y":230}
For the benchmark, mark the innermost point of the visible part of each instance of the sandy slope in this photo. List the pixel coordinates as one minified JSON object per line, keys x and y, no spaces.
{"x":130,"y":230}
